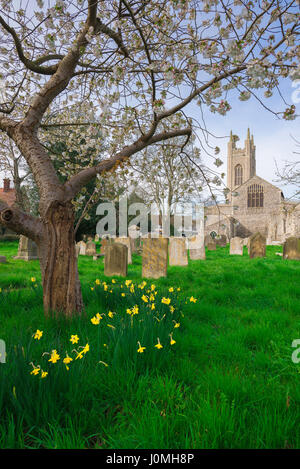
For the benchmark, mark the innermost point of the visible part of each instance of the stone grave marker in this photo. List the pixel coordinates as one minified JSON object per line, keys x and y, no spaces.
{"x":257,"y":245}
{"x":178,"y":252}
{"x":236,"y":246}
{"x":291,"y":248}
{"x":116,"y":260}
{"x":127,"y":242}
{"x":27,"y":250}
{"x":155,"y":257}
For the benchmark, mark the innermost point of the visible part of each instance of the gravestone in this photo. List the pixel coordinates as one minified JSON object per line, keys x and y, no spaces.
{"x":82,"y":248}
{"x":236,"y":246}
{"x":178,"y":252}
{"x":221,"y":241}
{"x":134,"y":235}
{"x":3,"y":260}
{"x":211,"y":245}
{"x":207,"y":239}
{"x":115,"y":260}
{"x":155,"y":257}
{"x":27,"y":250}
{"x":90,"y":248}
{"x":96,"y":238}
{"x":291,"y":248}
{"x":127,"y":242}
{"x":196,"y":248}
{"x":257,"y":246}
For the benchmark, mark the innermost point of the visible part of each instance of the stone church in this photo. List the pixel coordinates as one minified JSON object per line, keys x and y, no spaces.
{"x":253,"y":204}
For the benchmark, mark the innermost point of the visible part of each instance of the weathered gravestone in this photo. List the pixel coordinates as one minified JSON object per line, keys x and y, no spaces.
{"x":115,"y":260}
{"x":82,"y":248}
{"x":178,"y":252}
{"x":236,"y":246}
{"x":126,"y":241}
{"x":90,"y":248}
{"x":211,"y":245}
{"x":3,"y":260}
{"x":257,"y":246}
{"x":134,"y":235}
{"x":155,"y":257}
{"x":221,"y":240}
{"x":196,"y":248}
{"x":291,"y":248}
{"x":27,"y":250}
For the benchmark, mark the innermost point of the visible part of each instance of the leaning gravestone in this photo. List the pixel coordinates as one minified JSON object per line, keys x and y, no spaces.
{"x":257,"y":246}
{"x":116,"y":260}
{"x":3,"y":260}
{"x":178,"y":252}
{"x":221,"y":241}
{"x":90,"y":248}
{"x":291,"y":248}
{"x":126,"y":242}
{"x":27,"y":250}
{"x":196,"y":248}
{"x":236,"y":246}
{"x":155,"y":257}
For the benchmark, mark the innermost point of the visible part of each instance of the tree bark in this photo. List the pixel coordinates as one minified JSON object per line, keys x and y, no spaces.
{"x":61,"y":286}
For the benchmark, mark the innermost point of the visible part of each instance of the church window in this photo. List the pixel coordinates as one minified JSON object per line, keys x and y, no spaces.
{"x":238,"y":175}
{"x":255,"y":195}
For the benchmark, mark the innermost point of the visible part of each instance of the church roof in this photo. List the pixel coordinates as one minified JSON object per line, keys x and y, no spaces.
{"x":260,"y":180}
{"x":8,"y":196}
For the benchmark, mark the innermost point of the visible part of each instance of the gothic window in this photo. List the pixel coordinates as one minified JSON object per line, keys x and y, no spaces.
{"x":255,"y":195}
{"x":238,"y":175}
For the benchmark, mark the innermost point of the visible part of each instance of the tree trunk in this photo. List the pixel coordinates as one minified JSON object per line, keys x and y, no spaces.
{"x":61,"y":286}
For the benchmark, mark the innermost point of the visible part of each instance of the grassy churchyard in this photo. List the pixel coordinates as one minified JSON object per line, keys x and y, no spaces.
{"x":208,"y":366}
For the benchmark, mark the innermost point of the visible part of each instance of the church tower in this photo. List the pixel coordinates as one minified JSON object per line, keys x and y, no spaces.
{"x":241,"y":163}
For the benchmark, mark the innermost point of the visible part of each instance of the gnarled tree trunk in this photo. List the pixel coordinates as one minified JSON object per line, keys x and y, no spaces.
{"x":61,"y":286}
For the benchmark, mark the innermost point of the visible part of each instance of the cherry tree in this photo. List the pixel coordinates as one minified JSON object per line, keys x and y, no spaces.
{"x":140,"y":64}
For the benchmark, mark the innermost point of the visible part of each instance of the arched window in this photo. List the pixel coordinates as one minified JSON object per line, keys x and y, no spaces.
{"x":255,"y":195}
{"x":238,"y":175}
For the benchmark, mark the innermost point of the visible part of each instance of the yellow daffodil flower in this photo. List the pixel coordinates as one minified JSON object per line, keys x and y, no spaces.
{"x":172,"y":341}
{"x":97,"y":281}
{"x":166,"y":301}
{"x":145,"y":299}
{"x":158,"y":345}
{"x":33,"y":279}
{"x":193,"y":300}
{"x":111,"y":314}
{"x":177,"y":324}
{"x":54,"y":357}
{"x":74,"y":339}
{"x":140,"y":349}
{"x":38,"y":334}
{"x":171,"y":289}
{"x":44,"y":374}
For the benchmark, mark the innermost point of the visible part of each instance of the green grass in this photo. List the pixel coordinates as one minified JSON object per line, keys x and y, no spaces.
{"x":228,"y":382}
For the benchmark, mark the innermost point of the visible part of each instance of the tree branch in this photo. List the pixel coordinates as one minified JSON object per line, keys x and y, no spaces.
{"x":20,"y":222}
{"x":80,"y":179}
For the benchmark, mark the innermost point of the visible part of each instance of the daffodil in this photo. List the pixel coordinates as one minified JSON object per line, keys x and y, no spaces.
{"x":172,"y":341}
{"x":152,"y":306}
{"x":111,"y":314}
{"x":113,"y":281}
{"x":92,"y":288}
{"x":171,"y":289}
{"x":145,"y":298}
{"x":172,"y":309}
{"x":128,"y":282}
{"x":95,"y":320}
{"x":97,"y":281}
{"x":152,"y":287}
{"x":158,"y":345}
{"x":54,"y":357}
{"x":74,"y":339}
{"x":140,"y":349}
{"x":33,"y":279}
{"x":36,"y":369}
{"x":177,"y":324}
{"x":122,"y":294}
{"x":166,"y":301}
{"x":44,"y":374}
{"x":131,"y":288}
{"x":38,"y":334}
{"x":67,"y":360}
{"x":193,"y":300}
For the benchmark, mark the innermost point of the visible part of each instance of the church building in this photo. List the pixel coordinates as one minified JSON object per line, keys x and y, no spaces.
{"x":253,"y":204}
